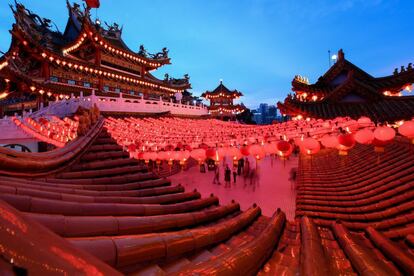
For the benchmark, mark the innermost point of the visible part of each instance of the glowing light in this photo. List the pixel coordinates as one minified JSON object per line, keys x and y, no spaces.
{"x":4,"y":64}
{"x":3,"y":95}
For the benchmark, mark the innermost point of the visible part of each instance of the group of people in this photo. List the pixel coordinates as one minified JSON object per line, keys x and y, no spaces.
{"x":243,"y":167}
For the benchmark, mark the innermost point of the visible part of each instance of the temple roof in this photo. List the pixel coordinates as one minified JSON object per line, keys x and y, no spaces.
{"x":386,"y":110}
{"x":347,"y":90}
{"x":222,"y":90}
{"x":40,"y":29}
{"x":343,"y":73}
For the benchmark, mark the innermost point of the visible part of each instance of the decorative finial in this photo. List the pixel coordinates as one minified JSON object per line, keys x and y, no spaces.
{"x":221,"y":81}
{"x":341,"y":55}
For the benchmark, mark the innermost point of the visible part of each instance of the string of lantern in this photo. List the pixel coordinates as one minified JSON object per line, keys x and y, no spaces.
{"x":222,"y":95}
{"x":99,"y":40}
{"x":92,"y":69}
{"x":53,"y":131}
{"x":175,"y":139}
{"x":236,"y":110}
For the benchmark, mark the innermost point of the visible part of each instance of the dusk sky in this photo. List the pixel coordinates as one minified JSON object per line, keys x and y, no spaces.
{"x":255,"y":46}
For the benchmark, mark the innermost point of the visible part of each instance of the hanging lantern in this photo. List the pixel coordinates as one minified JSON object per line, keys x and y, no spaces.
{"x":146,"y":156}
{"x":407,"y":130}
{"x":364,"y":122}
{"x":310,"y":146}
{"x":270,"y":148}
{"x":245,"y":150}
{"x":364,"y":136}
{"x":345,"y":143}
{"x":153,"y":156}
{"x":284,"y":149}
{"x":382,"y":137}
{"x":211,"y":153}
{"x":169,"y":156}
{"x":199,"y":155}
{"x":177,"y":155}
{"x":330,"y":141}
{"x":162,"y":156}
{"x":257,"y":151}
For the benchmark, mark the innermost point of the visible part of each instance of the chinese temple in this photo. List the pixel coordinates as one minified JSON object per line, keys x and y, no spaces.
{"x":347,"y":90}
{"x":89,"y":58}
{"x":221,"y":101}
{"x":91,"y":193}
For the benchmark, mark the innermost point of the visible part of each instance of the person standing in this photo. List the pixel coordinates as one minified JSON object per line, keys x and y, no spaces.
{"x":227,"y":177}
{"x":216,"y":179}
{"x":241,"y":161}
{"x":235,"y":169}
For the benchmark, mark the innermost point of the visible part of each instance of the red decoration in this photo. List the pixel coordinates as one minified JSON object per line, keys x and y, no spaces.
{"x":211,"y":153}
{"x":245,"y":150}
{"x":407,"y":129}
{"x":364,"y":136}
{"x":283,"y":146}
{"x":93,"y":4}
{"x":346,"y":140}
{"x":284,"y":149}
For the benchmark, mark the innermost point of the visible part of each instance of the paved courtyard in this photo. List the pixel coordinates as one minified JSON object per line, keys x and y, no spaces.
{"x":273,"y":189}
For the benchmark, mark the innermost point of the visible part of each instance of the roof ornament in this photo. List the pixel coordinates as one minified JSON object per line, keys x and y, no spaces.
{"x":410,"y":66}
{"x":160,"y":55}
{"x":395,"y":72}
{"x":142,"y":51}
{"x":341,"y":55}
{"x":114,"y":27}
{"x":182,"y":81}
{"x":402,"y":69}
{"x":301,"y":79}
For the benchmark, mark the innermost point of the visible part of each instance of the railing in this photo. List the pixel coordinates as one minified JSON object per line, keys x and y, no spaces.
{"x":141,"y":105}
{"x":66,"y":107}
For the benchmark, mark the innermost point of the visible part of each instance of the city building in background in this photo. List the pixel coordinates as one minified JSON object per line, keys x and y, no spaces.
{"x":266,"y":114}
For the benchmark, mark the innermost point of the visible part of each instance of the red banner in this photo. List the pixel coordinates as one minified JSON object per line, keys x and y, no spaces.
{"x":92,"y":3}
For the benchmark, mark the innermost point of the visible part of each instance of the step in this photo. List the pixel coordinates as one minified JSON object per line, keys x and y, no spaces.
{"x":103,"y":164}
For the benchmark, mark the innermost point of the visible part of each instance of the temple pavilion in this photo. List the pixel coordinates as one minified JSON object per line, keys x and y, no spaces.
{"x":221,"y":102}
{"x":44,"y":64}
{"x":347,"y":90}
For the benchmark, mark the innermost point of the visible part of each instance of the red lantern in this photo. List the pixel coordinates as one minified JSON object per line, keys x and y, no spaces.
{"x":284,"y":149}
{"x":364,"y":136}
{"x":283,"y":146}
{"x":257,"y":151}
{"x":383,"y":136}
{"x":199,"y":155}
{"x":245,"y":150}
{"x":330,"y":141}
{"x":407,"y":130}
{"x":310,"y":146}
{"x":210,"y":153}
{"x":364,"y":121}
{"x":345,"y":143}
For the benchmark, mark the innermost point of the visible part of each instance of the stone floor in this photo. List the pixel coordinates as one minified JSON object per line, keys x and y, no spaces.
{"x":273,"y":189}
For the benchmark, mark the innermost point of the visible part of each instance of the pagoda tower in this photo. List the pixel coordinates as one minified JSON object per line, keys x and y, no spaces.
{"x":221,"y":102}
